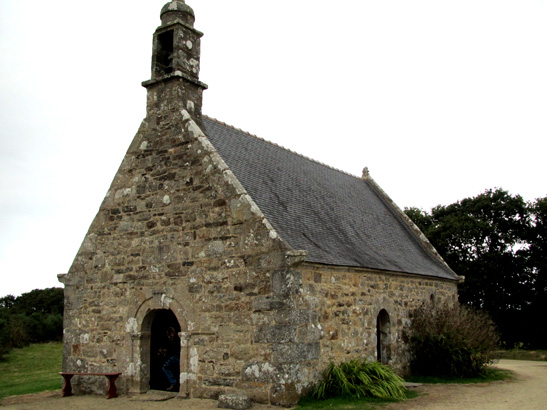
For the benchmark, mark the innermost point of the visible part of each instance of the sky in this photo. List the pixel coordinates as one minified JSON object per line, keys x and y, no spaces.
{"x":441,"y":100}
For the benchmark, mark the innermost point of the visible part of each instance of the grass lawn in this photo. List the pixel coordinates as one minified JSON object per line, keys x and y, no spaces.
{"x":491,"y":375}
{"x":521,"y":354}
{"x":32,"y":369}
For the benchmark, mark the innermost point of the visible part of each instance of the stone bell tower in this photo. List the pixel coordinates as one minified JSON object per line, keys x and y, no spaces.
{"x":175,"y":63}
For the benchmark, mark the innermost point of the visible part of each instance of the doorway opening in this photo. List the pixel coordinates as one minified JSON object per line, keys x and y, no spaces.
{"x":383,"y":354}
{"x":165,"y":351}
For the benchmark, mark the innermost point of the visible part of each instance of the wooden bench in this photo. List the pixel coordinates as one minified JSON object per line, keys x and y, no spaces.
{"x":110,"y":394}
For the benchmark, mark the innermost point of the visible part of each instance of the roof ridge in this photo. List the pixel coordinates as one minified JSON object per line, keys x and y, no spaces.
{"x":282,"y":147}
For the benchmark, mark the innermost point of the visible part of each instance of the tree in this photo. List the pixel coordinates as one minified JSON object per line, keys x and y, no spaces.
{"x":33,"y":317}
{"x":496,"y":240}
{"x":538,"y":263}
{"x":45,"y":301}
{"x":7,"y":302}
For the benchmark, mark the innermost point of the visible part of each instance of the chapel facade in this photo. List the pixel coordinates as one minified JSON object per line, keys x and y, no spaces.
{"x":267,"y":264}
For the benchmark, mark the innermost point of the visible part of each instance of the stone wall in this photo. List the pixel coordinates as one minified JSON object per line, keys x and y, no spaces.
{"x":176,"y":231}
{"x":347,"y":303}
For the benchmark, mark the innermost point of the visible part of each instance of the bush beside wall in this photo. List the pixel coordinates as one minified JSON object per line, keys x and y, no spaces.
{"x":451,"y":340}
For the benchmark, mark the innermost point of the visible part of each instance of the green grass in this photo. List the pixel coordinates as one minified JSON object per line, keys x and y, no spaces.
{"x":32,"y":369}
{"x":492,"y":374}
{"x":520,"y":354}
{"x":345,"y":403}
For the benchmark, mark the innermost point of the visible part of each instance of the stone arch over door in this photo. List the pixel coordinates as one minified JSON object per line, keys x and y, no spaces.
{"x":383,"y":337}
{"x":139,"y":327}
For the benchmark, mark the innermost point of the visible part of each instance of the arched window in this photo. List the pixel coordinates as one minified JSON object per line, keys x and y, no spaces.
{"x":383,"y":338}
{"x":163,"y":57}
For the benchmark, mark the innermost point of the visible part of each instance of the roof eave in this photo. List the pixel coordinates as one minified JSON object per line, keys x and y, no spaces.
{"x":409,"y":225}
{"x":361,"y":269}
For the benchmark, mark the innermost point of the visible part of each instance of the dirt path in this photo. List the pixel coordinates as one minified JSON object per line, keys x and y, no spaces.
{"x":527,"y":391}
{"x":153,"y":401}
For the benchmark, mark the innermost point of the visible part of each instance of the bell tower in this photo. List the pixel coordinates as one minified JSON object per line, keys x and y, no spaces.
{"x":175,"y":61}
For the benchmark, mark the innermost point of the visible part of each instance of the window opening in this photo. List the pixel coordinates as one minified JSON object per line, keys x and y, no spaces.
{"x":383,"y":337}
{"x":164,"y":56}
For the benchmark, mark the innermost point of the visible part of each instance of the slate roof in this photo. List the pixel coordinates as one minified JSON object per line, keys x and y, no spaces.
{"x":337,"y":218}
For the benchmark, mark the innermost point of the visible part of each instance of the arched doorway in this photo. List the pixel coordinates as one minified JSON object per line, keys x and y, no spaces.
{"x":383,"y":337}
{"x":164,"y":351}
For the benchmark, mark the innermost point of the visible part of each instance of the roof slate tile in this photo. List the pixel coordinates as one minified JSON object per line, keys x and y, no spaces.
{"x":337,"y":218}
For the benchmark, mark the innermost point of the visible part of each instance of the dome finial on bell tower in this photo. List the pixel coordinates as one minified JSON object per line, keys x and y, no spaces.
{"x":177,"y":9}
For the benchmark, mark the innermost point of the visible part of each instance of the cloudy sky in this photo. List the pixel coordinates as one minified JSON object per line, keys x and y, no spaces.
{"x":440,"y":99}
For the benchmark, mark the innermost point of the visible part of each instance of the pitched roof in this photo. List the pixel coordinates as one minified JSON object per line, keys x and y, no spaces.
{"x":337,"y":218}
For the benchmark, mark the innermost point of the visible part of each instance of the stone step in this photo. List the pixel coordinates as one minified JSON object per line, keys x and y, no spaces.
{"x":155,"y":395}
{"x":234,"y":401}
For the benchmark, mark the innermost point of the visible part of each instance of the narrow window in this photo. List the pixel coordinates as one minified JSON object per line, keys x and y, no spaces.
{"x":164,"y":53}
{"x":383,"y":337}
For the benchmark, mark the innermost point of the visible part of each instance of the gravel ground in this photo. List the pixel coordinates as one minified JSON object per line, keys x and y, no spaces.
{"x":528,"y":390}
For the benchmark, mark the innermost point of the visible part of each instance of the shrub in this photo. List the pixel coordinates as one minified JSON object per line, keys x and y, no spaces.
{"x":4,"y":336}
{"x":451,"y":340}
{"x":18,"y":331}
{"x":359,"y":379}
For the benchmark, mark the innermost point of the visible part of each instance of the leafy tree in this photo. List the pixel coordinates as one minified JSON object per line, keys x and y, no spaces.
{"x":46,"y":301}
{"x":538,"y":263}
{"x":33,"y":317}
{"x":497,"y":241}
{"x":7,"y":302}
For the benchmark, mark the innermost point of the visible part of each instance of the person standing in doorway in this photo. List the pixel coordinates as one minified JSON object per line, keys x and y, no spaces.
{"x":171,"y":352}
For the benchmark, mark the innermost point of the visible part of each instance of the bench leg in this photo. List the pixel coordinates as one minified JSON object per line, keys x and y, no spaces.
{"x":112,"y":392}
{"x":67,"y":387}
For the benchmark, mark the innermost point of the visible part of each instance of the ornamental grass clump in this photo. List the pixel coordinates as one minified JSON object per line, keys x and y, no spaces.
{"x":359,"y":379}
{"x":451,"y":341}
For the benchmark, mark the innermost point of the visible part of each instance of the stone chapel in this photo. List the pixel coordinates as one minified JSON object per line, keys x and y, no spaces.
{"x":267,"y":264}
